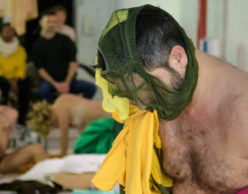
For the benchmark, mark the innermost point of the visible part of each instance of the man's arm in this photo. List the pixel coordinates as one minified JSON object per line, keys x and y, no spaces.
{"x":63,"y":120}
{"x":46,"y":76}
{"x":71,"y":72}
{"x":57,"y":85}
{"x":71,"y":56}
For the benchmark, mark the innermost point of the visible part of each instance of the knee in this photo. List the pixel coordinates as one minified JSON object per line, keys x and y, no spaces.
{"x":44,"y":91}
{"x":36,"y":148}
{"x":91,"y":92}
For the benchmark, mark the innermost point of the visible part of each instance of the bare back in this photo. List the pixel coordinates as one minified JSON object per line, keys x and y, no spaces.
{"x":80,"y":110}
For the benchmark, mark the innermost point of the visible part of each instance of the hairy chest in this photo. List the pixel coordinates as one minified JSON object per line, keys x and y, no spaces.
{"x":197,"y":153}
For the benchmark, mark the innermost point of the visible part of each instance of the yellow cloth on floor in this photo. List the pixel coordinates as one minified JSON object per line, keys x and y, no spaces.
{"x":132,"y":160}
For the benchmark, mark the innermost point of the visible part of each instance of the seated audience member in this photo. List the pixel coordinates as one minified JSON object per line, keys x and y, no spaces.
{"x":13,"y":70}
{"x":68,"y":110}
{"x":55,"y":57}
{"x":62,"y":27}
{"x":10,"y":162}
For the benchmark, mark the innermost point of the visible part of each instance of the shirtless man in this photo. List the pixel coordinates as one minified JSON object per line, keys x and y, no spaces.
{"x":204,"y":146}
{"x":10,"y":162}
{"x":68,"y":110}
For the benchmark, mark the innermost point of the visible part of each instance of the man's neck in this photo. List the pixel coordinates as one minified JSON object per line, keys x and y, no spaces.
{"x":47,"y":35}
{"x":212,"y":86}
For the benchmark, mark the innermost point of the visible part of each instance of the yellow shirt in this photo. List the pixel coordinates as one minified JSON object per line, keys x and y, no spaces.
{"x":14,"y":65}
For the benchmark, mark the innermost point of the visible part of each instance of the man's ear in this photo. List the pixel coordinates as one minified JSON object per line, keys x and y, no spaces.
{"x":178,"y":59}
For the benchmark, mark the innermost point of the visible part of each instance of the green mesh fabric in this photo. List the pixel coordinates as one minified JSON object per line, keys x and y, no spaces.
{"x":127,"y":76}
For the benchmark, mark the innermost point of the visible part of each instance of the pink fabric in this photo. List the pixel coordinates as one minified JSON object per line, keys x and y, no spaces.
{"x":243,"y":191}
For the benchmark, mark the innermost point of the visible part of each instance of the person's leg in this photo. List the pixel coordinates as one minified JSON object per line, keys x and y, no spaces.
{"x":8,"y":117}
{"x":80,"y":86}
{"x":73,"y":181}
{"x":23,"y":99}
{"x":45,"y":91}
{"x":4,"y":86}
{"x":19,"y":158}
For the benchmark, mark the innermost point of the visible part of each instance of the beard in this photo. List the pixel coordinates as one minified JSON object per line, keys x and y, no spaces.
{"x":176,"y":79}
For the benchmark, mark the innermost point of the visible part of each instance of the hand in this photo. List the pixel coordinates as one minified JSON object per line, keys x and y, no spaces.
{"x":62,"y":87}
{"x":65,"y":87}
{"x":58,"y":87}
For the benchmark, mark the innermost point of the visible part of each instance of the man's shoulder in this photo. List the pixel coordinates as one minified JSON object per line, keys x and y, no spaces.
{"x":235,"y":109}
{"x":68,"y":28}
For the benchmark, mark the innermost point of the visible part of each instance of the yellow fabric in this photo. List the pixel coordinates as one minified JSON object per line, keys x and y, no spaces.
{"x":109,"y":103}
{"x":131,"y":161}
{"x":13,"y":66}
{"x":158,"y":175}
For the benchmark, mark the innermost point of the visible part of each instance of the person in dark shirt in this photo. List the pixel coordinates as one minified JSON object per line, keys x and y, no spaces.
{"x":55,"y":57}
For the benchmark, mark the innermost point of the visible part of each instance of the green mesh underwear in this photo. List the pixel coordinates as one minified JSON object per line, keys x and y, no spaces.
{"x":127,"y":76}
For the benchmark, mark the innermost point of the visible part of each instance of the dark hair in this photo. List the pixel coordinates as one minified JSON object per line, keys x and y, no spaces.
{"x":58,"y":8}
{"x":48,"y":12}
{"x":156,"y":33}
{"x":4,"y":25}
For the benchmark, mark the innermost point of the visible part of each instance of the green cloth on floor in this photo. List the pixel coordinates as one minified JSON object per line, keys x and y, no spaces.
{"x":98,"y":136}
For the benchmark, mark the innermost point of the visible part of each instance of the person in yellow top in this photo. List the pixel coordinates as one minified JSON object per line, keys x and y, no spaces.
{"x":13,"y":70}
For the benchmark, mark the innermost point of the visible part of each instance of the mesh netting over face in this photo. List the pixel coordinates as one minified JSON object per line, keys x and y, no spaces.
{"x":122,"y":68}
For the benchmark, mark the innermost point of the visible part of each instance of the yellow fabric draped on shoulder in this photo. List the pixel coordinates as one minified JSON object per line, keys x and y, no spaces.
{"x":132,"y":159}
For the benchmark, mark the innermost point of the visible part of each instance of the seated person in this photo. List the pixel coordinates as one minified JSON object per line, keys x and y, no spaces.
{"x":11,"y":162}
{"x":13,"y":70}
{"x":62,"y":27}
{"x":55,"y":58}
{"x":68,"y":110}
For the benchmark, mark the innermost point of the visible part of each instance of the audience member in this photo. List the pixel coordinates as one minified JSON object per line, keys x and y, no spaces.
{"x":10,"y":162}
{"x":68,"y":110}
{"x":62,"y":27}
{"x":55,"y":58}
{"x":13,"y":70}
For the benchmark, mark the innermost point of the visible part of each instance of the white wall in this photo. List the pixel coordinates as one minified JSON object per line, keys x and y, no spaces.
{"x":184,"y":11}
{"x":226,"y":21}
{"x":172,"y":6}
{"x":237,"y":33}
{"x":91,"y":16}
